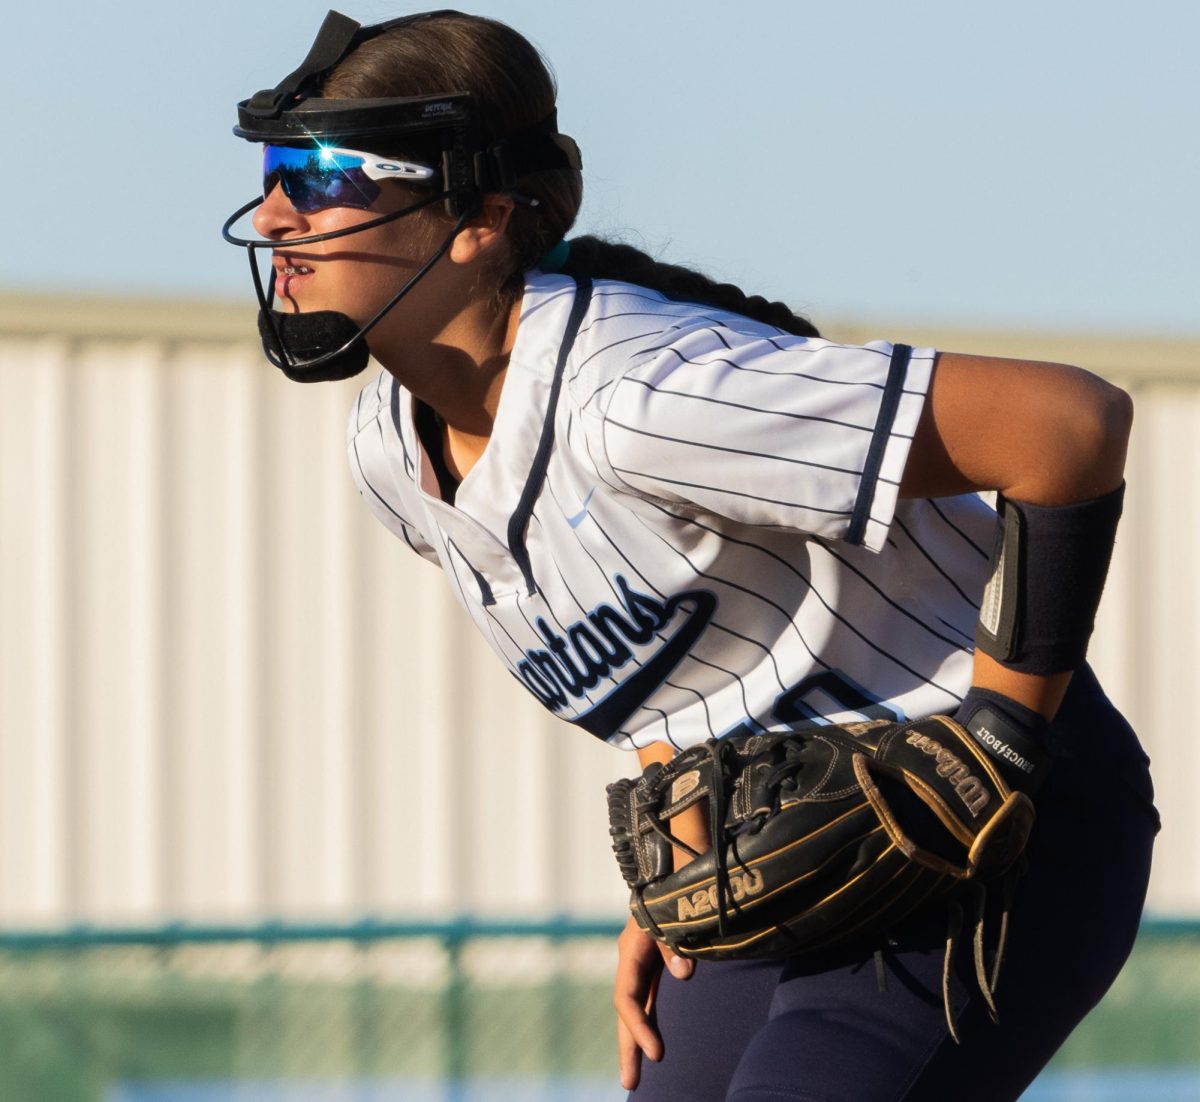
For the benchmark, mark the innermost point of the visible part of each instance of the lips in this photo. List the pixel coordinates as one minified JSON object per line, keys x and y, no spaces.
{"x":290,"y":273}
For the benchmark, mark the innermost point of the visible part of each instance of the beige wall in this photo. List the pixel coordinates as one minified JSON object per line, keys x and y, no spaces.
{"x":225,"y":692}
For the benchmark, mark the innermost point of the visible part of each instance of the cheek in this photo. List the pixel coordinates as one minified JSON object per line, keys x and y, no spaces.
{"x":358,"y":274}
{"x":403,"y":243}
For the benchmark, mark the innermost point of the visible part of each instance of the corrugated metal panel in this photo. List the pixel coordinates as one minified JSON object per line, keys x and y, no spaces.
{"x":226,"y":692}
{"x":1148,"y":643}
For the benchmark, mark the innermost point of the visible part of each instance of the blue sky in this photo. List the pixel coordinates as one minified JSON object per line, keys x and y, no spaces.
{"x":1017,"y":165}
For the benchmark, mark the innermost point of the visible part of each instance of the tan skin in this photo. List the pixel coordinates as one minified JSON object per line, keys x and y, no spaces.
{"x":1042,"y":433}
{"x":445,"y":342}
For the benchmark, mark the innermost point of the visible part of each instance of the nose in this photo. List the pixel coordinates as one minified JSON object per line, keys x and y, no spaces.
{"x":276,"y":218}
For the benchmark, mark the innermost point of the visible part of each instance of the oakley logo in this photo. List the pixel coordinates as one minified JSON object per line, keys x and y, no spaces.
{"x":967,"y":786}
{"x":742,"y":885}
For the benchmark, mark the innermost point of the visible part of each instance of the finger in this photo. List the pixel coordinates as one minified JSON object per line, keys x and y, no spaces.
{"x":635,"y":1038}
{"x":633,"y":996}
{"x":636,"y":1035}
{"x":629,"y":1057}
{"x":681,"y":968}
{"x":632,"y":1004}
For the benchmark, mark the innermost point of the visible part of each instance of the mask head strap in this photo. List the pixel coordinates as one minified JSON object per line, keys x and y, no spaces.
{"x":337,"y":37}
{"x":538,"y":148}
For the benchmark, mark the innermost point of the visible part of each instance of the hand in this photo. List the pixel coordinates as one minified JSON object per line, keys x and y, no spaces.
{"x":640,"y":960}
{"x":1012,"y":735}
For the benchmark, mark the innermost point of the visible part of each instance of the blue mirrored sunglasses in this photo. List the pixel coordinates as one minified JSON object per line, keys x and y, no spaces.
{"x":324,"y":176}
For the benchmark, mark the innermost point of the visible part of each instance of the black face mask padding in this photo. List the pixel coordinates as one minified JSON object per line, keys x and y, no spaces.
{"x":310,"y":337}
{"x":324,"y":362}
{"x":326,"y":345}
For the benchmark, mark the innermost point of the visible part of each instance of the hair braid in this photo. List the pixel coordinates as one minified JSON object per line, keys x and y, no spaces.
{"x":514,"y":88}
{"x":600,"y":259}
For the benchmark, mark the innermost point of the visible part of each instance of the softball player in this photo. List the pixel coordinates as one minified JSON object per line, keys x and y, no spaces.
{"x":676,"y":512}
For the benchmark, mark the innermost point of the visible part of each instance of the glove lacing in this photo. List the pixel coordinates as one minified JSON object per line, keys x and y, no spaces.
{"x":779,"y":775}
{"x":716,"y":822}
{"x":648,"y":811}
{"x":954,"y":924}
{"x":787,"y":769}
{"x":784,"y":771}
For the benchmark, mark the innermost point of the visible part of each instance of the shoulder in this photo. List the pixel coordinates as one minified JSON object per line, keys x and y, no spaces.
{"x":635,"y":342}
{"x":628,"y":328}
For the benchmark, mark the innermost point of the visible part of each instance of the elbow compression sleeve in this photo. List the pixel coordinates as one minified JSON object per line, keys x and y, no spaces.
{"x":1048,"y":570}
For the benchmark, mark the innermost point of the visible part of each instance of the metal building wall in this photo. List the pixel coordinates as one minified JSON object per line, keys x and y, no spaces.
{"x":226,"y":692}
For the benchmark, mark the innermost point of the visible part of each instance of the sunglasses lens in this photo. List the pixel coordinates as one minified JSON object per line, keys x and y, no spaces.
{"x":314,"y":179}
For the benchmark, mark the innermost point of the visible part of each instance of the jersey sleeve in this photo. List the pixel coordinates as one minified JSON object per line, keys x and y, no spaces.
{"x":367,"y":441}
{"x":773,"y":431}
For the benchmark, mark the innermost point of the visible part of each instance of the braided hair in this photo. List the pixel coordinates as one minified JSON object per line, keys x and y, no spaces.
{"x":601,"y":259}
{"x":515,"y":89}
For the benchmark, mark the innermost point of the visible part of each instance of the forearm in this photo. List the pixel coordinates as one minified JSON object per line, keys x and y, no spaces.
{"x":1041,"y":692}
{"x":691,"y":825}
{"x":1040,"y":434}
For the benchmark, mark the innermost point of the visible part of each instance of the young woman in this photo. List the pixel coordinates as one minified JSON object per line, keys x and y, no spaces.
{"x":675,"y":511}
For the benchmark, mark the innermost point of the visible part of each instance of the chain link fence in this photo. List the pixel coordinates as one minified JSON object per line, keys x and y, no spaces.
{"x":459,"y":1011}
{"x":456,"y":1012}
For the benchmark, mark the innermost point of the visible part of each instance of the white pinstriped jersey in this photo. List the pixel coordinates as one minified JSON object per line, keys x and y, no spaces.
{"x":701,"y":529}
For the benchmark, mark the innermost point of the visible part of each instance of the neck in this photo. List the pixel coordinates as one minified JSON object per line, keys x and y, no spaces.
{"x":458,"y":370}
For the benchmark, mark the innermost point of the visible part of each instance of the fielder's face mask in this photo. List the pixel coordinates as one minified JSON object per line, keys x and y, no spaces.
{"x":315,"y":151}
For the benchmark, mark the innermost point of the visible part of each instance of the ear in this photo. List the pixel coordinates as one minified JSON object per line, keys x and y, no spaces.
{"x":485,"y":231}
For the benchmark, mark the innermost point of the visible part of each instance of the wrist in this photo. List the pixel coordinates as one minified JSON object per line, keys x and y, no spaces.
{"x":1012,"y":735}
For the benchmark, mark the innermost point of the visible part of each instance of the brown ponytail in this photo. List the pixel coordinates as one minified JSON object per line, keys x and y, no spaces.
{"x":599,"y":259}
{"x":514,"y":89}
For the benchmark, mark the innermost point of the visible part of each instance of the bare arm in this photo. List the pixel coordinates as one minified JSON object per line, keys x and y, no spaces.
{"x":1042,"y":433}
{"x":690,"y":825}
{"x":640,"y":959}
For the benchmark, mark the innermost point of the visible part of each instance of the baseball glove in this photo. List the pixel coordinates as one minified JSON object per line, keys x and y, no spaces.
{"x":814,"y":846}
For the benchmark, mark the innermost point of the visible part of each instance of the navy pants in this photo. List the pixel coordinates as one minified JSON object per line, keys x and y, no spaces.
{"x":760,"y":1031}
